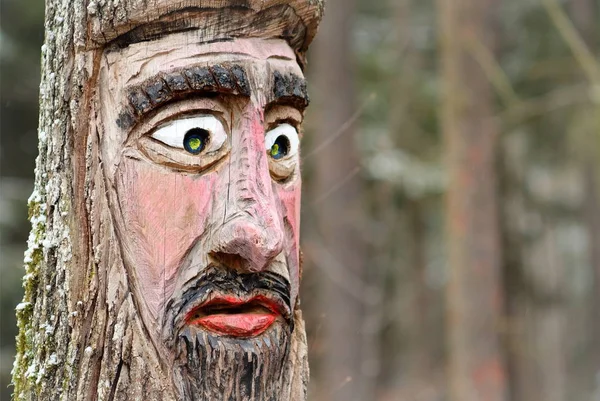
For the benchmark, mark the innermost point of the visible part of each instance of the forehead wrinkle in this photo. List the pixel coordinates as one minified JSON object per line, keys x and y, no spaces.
{"x":148,"y":70}
{"x":176,"y":50}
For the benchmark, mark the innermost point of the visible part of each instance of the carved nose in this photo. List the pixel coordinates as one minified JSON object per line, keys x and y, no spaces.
{"x":245,"y":245}
{"x":252,"y":231}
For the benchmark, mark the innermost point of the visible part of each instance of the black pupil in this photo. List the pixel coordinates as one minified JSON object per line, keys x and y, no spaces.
{"x":281,"y":147}
{"x":195,"y":140}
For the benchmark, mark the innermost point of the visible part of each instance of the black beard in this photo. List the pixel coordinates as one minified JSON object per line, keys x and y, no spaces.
{"x":211,"y":367}
{"x":216,"y":368}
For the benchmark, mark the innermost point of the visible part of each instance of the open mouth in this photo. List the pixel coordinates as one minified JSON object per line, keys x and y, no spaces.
{"x":234,"y":316}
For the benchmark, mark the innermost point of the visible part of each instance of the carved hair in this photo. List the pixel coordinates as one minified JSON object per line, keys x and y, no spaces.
{"x":294,"y":20}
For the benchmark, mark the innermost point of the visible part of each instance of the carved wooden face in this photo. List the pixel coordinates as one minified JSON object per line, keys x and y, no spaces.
{"x":200,"y":147}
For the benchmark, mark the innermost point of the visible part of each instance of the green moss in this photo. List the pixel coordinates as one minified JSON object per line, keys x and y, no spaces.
{"x":25,"y":341}
{"x":25,"y":352}
{"x":34,"y":209}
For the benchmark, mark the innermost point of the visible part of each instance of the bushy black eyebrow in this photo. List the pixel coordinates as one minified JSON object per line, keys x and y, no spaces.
{"x":229,"y":79}
{"x":289,"y":89}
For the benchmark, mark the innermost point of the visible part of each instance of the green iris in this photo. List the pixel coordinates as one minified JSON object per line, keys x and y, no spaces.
{"x":280,"y":148}
{"x":194,"y":143}
{"x":195,"y":140}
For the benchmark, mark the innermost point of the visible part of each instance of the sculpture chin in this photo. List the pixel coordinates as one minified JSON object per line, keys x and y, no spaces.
{"x":215,"y":367}
{"x":230,"y":335}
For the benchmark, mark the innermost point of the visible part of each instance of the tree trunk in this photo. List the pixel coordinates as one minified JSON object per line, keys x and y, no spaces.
{"x":338,"y":212}
{"x":474,"y":295}
{"x":414,"y":371}
{"x":585,"y":15}
{"x":51,"y":318}
{"x":519,"y":308}
{"x":592,"y":217}
{"x":123,"y":301}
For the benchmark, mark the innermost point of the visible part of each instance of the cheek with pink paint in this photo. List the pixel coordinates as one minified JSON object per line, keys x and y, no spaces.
{"x":290,"y":200}
{"x":163,"y":215}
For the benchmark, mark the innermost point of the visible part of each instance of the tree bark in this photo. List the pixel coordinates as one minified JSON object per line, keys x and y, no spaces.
{"x":474,"y":294}
{"x":84,"y":331}
{"x":48,"y":318}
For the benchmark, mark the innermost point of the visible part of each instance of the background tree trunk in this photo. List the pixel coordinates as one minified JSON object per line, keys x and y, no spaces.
{"x":415,"y":373}
{"x":521,"y":363}
{"x":585,"y":14}
{"x":338,"y":188}
{"x":474,"y":297}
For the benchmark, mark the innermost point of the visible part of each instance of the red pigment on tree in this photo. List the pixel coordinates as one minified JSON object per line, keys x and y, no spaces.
{"x":249,"y":324}
{"x":240,"y":325}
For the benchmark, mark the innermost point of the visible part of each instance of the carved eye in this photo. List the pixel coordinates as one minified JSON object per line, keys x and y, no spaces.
{"x":195,"y":135}
{"x":282,"y":145}
{"x":282,"y":142}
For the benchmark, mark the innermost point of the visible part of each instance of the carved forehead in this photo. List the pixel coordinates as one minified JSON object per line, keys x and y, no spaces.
{"x":140,"y":61}
{"x":120,"y":24}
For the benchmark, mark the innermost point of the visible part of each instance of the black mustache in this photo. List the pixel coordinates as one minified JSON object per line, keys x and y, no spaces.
{"x":227,"y":281}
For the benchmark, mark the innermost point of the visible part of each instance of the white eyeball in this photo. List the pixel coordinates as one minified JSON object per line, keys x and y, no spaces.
{"x":282,"y":142}
{"x":198,"y":134}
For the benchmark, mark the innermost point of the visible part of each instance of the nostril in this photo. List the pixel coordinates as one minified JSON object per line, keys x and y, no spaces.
{"x":231,"y":261}
{"x":247,"y":246}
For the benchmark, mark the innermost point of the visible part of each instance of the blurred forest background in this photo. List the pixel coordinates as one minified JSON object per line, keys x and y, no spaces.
{"x":451,"y":216}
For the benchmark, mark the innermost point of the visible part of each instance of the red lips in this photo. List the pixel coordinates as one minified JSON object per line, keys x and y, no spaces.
{"x":236,"y":317}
